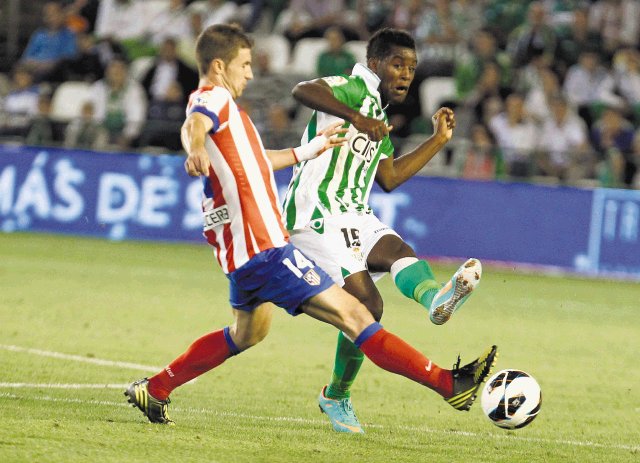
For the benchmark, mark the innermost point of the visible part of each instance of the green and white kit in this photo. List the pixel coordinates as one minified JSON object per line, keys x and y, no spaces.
{"x":326,"y":206}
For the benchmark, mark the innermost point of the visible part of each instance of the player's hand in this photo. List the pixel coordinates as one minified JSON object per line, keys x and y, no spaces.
{"x":374,"y":128}
{"x":332,"y":133}
{"x":197,"y":162}
{"x":444,"y":122}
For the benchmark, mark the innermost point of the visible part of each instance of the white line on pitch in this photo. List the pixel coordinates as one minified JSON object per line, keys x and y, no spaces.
{"x":62,"y":386}
{"x":288,"y":419}
{"x":79,"y":358}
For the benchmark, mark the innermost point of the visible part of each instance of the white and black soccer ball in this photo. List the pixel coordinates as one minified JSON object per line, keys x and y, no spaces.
{"x":511,"y":399}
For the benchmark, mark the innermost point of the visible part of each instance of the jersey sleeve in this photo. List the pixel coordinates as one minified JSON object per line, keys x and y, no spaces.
{"x":386,"y":148}
{"x":348,"y":90}
{"x":211,"y":103}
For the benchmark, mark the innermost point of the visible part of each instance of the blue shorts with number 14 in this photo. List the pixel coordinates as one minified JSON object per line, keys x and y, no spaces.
{"x":284,"y":276}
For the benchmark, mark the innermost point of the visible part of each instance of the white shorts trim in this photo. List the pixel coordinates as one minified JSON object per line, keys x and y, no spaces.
{"x":341,"y":244}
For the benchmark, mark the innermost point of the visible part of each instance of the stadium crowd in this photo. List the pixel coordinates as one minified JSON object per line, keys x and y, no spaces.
{"x":544,"y":91}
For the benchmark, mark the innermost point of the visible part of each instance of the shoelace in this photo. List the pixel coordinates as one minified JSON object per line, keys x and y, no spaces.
{"x":346,"y":406}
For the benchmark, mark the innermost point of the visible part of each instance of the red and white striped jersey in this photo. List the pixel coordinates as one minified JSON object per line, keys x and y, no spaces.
{"x":242,"y":213}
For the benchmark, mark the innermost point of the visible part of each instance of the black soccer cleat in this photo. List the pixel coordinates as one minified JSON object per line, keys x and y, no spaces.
{"x":155,"y":410}
{"x":467,"y":379}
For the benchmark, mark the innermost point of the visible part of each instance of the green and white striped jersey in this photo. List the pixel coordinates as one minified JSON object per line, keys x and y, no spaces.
{"x":340,"y":181}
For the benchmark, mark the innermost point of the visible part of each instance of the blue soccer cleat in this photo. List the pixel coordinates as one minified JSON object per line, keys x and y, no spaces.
{"x":340,"y":413}
{"x":453,"y":294}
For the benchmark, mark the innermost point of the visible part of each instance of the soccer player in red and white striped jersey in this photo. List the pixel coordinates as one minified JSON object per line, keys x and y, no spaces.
{"x":243,"y":223}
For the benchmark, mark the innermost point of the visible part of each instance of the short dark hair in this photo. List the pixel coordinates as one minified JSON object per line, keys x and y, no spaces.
{"x":383,"y":40}
{"x":220,"y":41}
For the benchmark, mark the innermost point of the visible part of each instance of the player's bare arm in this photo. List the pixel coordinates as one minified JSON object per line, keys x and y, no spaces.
{"x":326,"y":139}
{"x":193,"y":134}
{"x":394,"y":172}
{"x":316,"y":94}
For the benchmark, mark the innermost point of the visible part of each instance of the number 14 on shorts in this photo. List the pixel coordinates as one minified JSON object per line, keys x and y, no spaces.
{"x":302,"y":263}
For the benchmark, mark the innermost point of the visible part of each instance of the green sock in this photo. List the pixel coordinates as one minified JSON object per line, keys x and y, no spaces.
{"x":418,"y":282}
{"x":347,"y":364}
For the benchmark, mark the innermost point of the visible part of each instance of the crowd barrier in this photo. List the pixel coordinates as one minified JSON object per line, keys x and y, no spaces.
{"x":149,"y":197}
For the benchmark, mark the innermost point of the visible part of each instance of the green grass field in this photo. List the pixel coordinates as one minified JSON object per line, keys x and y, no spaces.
{"x":81,"y":318}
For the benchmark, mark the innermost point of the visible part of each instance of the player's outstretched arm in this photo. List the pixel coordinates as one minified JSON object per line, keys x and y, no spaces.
{"x":326,"y":139}
{"x":394,"y":172}
{"x":317,"y":94}
{"x":192,"y":135}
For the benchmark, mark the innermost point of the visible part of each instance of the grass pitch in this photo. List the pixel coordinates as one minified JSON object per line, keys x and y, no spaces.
{"x":81,"y":318}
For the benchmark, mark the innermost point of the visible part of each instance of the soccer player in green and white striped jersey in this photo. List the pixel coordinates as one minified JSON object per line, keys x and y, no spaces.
{"x":326,"y":206}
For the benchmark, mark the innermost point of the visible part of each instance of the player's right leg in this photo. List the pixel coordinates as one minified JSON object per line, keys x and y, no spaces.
{"x":151,"y":395}
{"x":337,"y":307}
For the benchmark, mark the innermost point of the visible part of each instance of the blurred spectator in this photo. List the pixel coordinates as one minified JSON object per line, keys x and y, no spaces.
{"x":589,"y":86}
{"x":336,"y":59}
{"x":20,"y":104}
{"x":404,"y":14}
{"x":120,"y":104}
{"x":612,"y":136}
{"x":85,"y":132}
{"x":503,"y":16}
{"x":437,"y":40}
{"x":575,"y":39}
{"x":564,"y":148}
{"x":376,"y":14}
{"x":125,"y":22}
{"x":279,"y":131}
{"x":516,"y":136}
{"x":41,"y":132}
{"x":538,"y":100}
{"x":489,"y":86}
{"x":480,"y":159}
{"x":311,"y":18}
{"x":51,"y":43}
{"x":533,"y":38}
{"x":215,"y":11}
{"x":268,"y":88}
{"x":172,"y":21}
{"x":529,"y":76}
{"x":85,"y":65}
{"x":186,"y":48}
{"x":166,"y":70}
{"x":165,"y":118}
{"x":627,"y":74}
{"x":467,"y":18}
{"x":81,"y":15}
{"x":469,"y":66}
{"x":618,"y":21}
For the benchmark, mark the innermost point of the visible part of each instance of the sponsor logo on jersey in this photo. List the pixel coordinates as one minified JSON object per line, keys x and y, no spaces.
{"x":312,"y":277}
{"x":216,"y":217}
{"x":363,"y":147}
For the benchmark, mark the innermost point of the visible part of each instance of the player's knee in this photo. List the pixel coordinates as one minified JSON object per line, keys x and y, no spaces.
{"x":355,"y":319}
{"x":244,"y":339}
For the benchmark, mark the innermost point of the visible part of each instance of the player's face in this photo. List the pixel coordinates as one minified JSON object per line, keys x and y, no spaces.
{"x":238,"y":72}
{"x":396,"y":73}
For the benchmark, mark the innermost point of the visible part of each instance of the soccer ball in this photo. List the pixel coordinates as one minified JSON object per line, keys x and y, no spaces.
{"x":511,"y":399}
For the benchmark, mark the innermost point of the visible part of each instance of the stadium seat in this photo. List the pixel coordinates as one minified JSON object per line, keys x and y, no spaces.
{"x":278,"y":49}
{"x":67,"y":100}
{"x":305,"y":55}
{"x":140,"y":66}
{"x":359,"y":50}
{"x":433,"y":92}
